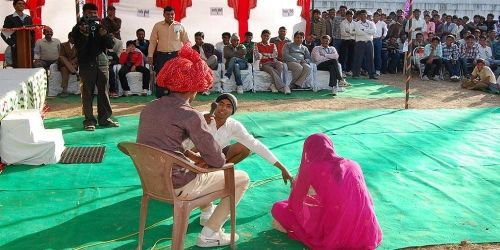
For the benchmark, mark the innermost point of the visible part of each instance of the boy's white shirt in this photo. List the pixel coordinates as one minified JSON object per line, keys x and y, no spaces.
{"x":234,"y":130}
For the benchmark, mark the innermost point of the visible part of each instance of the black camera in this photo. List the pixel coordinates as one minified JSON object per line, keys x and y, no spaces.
{"x":91,"y":22}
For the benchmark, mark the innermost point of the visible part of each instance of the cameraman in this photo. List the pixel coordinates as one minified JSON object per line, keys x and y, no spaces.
{"x":91,"y":41}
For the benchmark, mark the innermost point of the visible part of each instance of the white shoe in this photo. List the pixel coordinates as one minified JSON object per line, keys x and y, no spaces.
{"x":377,"y":72}
{"x":425,"y":78}
{"x":217,"y":239}
{"x":344,"y":83}
{"x":287,"y":90}
{"x":224,"y":79}
{"x":239,"y":89}
{"x":273,"y":88}
{"x":127,"y":93}
{"x":144,"y":92}
{"x":334,"y":91}
{"x":206,"y":93}
{"x":204,"y":216}
{"x":435,"y":78}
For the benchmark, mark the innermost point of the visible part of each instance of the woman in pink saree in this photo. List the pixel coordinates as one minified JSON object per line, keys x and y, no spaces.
{"x":329,"y":206}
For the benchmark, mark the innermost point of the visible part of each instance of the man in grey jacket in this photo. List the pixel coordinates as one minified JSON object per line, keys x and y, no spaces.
{"x":235,"y":53}
{"x":297,"y":58}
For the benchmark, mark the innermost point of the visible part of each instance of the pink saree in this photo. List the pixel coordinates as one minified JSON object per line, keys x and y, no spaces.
{"x":340,"y":215}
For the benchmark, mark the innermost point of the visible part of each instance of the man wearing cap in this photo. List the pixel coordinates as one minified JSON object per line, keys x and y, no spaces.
{"x":226,"y":129}
{"x":167,"y":37}
{"x":235,"y":53}
{"x":112,"y":23}
{"x":184,"y":76}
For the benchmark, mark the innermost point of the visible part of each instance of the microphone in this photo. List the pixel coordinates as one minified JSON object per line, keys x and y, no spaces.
{"x":213,"y":107}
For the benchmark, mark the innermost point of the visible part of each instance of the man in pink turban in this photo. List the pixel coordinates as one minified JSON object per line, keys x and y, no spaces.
{"x":329,"y":206}
{"x":166,"y":122}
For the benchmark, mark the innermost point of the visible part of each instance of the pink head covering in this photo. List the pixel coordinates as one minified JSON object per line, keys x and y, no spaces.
{"x":340,"y":215}
{"x":186,"y":73}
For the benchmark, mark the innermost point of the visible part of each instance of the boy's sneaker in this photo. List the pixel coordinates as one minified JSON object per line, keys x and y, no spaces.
{"x":287,"y":90}
{"x":239,"y":89}
{"x":425,"y":78}
{"x":273,"y":88}
{"x":217,"y":239}
{"x":224,"y":79}
{"x":204,"y":216}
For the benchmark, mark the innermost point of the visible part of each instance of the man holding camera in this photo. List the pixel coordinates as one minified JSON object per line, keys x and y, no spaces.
{"x":91,"y":41}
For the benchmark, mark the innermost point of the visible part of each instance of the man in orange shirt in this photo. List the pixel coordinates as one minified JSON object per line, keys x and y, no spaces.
{"x":167,"y":37}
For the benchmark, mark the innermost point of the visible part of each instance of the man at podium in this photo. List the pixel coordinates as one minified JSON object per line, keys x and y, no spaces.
{"x":16,"y":20}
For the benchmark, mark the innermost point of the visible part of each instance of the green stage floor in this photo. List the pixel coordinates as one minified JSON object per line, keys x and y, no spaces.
{"x":361,"y":89}
{"x":433,"y":174}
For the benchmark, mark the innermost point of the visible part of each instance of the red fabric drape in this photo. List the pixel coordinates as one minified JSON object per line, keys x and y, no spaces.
{"x":99,"y":5}
{"x":111,"y":2}
{"x":180,"y":7}
{"x":35,"y":7}
{"x":306,"y":13}
{"x":242,"y":13}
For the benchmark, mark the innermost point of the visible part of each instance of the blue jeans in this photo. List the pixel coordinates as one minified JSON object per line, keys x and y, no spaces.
{"x":235,"y":65}
{"x":453,"y":69}
{"x":377,"y":53}
{"x":463,"y":65}
{"x":337,"y":43}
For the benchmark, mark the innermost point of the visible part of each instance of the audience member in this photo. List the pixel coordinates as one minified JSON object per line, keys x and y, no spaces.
{"x":280,"y":42}
{"x":207,"y":51}
{"x":379,"y":36}
{"x":318,"y":26}
{"x":141,"y":43}
{"x":390,"y":55}
{"x":418,"y":25}
{"x":46,"y":51}
{"x":268,"y":56}
{"x":486,"y":54}
{"x":347,"y":33}
{"x":220,"y":46}
{"x":468,"y":53}
{"x":112,"y":23}
{"x":333,"y":28}
{"x":249,"y":45}
{"x":68,"y":63}
{"x":451,"y":57}
{"x":433,"y":53}
{"x":167,"y":37}
{"x":326,"y":58}
{"x":235,"y":61}
{"x":481,"y":79}
{"x":430,"y":27}
{"x":364,"y":30}
{"x":449,"y":28}
{"x":297,"y":58}
{"x":132,"y":61}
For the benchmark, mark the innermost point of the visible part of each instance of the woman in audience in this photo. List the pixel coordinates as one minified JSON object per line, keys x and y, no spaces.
{"x":329,"y":206}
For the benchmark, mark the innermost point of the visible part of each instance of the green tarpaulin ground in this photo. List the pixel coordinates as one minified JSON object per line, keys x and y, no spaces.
{"x":361,"y":88}
{"x":433,"y":174}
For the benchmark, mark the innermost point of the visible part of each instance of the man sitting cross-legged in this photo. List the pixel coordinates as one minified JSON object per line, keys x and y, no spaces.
{"x":131,"y":61}
{"x":326,"y":57}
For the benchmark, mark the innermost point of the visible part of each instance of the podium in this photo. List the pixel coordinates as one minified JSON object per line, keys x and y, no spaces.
{"x":23,"y":52}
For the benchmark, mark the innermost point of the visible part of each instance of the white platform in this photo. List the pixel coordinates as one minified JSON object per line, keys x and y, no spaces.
{"x":55,"y":80}
{"x":24,"y":140}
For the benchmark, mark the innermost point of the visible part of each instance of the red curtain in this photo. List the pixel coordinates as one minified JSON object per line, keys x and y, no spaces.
{"x":99,"y":5}
{"x":180,"y":7}
{"x":35,"y":7}
{"x":242,"y":13}
{"x":306,"y":13}
{"x":111,"y":2}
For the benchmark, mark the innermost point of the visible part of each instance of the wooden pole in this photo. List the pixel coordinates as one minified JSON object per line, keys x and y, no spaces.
{"x":407,"y":70}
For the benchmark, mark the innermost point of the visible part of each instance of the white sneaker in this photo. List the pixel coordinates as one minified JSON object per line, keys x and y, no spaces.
{"x":425,"y":78}
{"x":377,"y":72}
{"x":287,"y":90}
{"x":206,"y":93}
{"x":334,"y":91}
{"x":344,"y":83}
{"x":217,"y":239}
{"x":224,"y":79}
{"x":239,"y":89}
{"x":204,"y":216}
{"x":435,"y":78}
{"x":144,"y":92}
{"x":273,"y":88}
{"x":127,"y":93}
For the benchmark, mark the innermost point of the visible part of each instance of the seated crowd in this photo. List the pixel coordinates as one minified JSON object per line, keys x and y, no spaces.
{"x":359,"y":42}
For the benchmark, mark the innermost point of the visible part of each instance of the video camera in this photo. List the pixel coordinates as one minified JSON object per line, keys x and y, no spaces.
{"x":91,"y":23}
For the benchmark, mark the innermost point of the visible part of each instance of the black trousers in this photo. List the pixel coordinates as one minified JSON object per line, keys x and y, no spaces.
{"x":346,"y":54}
{"x":333,"y":67}
{"x":435,"y":66}
{"x":93,"y":76}
{"x":122,"y":74}
{"x":160,"y":58}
